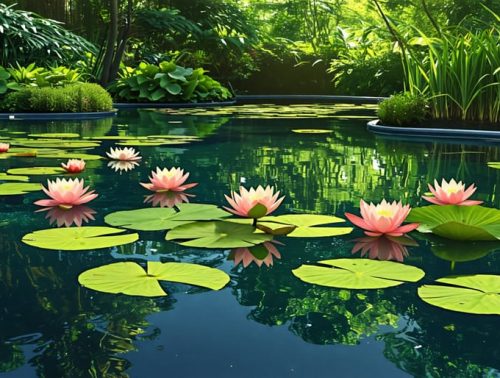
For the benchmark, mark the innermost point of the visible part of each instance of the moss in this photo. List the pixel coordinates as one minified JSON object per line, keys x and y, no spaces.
{"x":403,"y":110}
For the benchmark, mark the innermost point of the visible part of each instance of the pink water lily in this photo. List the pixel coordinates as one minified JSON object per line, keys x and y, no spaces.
{"x":66,"y":193}
{"x":248,"y":255}
{"x":66,"y":217}
{"x":383,"y":219}
{"x":167,"y":199}
{"x":384,"y":247}
{"x":4,"y":147}
{"x":123,"y":154}
{"x":254,"y":203}
{"x":451,"y":193}
{"x":74,"y":166}
{"x":168,"y":180}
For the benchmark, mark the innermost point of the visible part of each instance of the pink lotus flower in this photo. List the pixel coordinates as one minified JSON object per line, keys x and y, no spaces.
{"x":254,"y":203}
{"x":122,"y":165}
{"x":66,"y":217}
{"x":451,"y":193}
{"x":384,"y":247}
{"x":167,"y":199}
{"x":168,"y":180}
{"x":384,"y":218}
{"x":74,"y":166}
{"x":260,"y":254}
{"x":66,"y":193}
{"x":4,"y":147}
{"x":123,"y":154}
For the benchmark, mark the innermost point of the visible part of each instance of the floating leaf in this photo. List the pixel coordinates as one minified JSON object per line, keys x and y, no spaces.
{"x":55,"y":135}
{"x":152,"y":142}
{"x":6,"y":177}
{"x":155,"y":219}
{"x":458,"y":222}
{"x":54,"y":143}
{"x":78,"y":238}
{"x":131,"y":279}
{"x":36,"y":171}
{"x":67,"y":155}
{"x":11,"y":188}
{"x":217,"y":234}
{"x":312,"y":131}
{"x":358,"y":273}
{"x":305,"y":225}
{"x":494,"y":164}
{"x":473,"y":294}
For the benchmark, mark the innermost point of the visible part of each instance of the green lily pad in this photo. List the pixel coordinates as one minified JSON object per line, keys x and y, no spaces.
{"x":14,"y":188}
{"x":306,"y":225}
{"x":5,"y":177}
{"x":152,"y":142}
{"x":67,"y":155}
{"x":494,"y":164}
{"x":55,"y":135}
{"x":458,"y":222}
{"x":36,"y":171}
{"x":473,"y":294}
{"x":312,"y":131}
{"x":54,"y":143}
{"x":155,"y":219}
{"x":217,"y":234}
{"x":358,"y":273}
{"x":131,"y":279}
{"x":78,"y":238}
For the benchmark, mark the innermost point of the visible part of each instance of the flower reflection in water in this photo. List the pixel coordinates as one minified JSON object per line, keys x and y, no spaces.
{"x":120,"y":166}
{"x":260,"y":254}
{"x":167,"y":199}
{"x":66,"y":217}
{"x":384,"y":247}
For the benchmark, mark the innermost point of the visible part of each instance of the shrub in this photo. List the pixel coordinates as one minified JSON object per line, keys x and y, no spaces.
{"x":81,"y":97}
{"x":167,"y":82}
{"x":403,"y":110}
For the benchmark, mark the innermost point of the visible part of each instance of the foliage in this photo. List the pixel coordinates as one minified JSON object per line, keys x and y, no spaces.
{"x":403,"y":110}
{"x":79,"y":97}
{"x":167,"y":82}
{"x":26,"y":37}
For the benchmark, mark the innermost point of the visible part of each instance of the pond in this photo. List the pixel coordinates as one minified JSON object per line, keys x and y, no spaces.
{"x":265,"y":322}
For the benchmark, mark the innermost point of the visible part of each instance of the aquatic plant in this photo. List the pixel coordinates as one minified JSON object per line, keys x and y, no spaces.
{"x":4,"y":147}
{"x":74,"y":166}
{"x":451,"y":193}
{"x":66,"y":193}
{"x":383,"y":219}
{"x":168,"y":180}
{"x":254,"y":203}
{"x":123,"y":154}
{"x":403,"y":110}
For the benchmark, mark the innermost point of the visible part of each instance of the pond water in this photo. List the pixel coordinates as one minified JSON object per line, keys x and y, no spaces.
{"x":265,"y":322}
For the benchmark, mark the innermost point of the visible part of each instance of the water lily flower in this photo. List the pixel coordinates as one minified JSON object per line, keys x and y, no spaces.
{"x":167,"y":199}
{"x":254,"y":203}
{"x":384,"y":247}
{"x":124,"y":154}
{"x":451,"y":193}
{"x":66,"y":193}
{"x":66,"y":217}
{"x":4,"y":147}
{"x":74,"y":166}
{"x":260,"y":254}
{"x":168,"y":180}
{"x":120,"y":166}
{"x":384,"y":218}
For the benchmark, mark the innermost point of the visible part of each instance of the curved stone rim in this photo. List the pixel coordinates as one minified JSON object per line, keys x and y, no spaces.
{"x":56,"y":116}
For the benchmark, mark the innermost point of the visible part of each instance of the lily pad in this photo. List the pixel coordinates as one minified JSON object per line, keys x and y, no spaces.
{"x":54,"y":143}
{"x":155,"y":219}
{"x":6,"y":177}
{"x":152,"y":142}
{"x":312,"y":131}
{"x":217,"y":234}
{"x":473,"y":294}
{"x":78,"y":238}
{"x":36,"y":171}
{"x":66,"y":155}
{"x":131,"y":279}
{"x":55,"y":135}
{"x":306,"y":225}
{"x":458,"y":222}
{"x":14,"y":188}
{"x":358,"y":273}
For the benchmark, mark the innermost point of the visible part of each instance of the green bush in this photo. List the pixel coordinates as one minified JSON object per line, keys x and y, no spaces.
{"x":403,"y":110}
{"x":167,"y":82}
{"x":80,"y":97}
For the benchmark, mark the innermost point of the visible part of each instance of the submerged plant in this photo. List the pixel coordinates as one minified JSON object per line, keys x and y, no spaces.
{"x":168,"y":180}
{"x":123,"y":154}
{"x":254,"y":203}
{"x":451,"y":193}
{"x":383,"y":219}
{"x":66,"y":193}
{"x":74,"y":166}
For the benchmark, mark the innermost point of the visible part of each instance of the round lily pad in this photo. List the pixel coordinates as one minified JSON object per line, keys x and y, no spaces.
{"x":473,"y":294}
{"x":66,"y":155}
{"x":36,"y":171}
{"x":14,"y":188}
{"x":306,"y":225}
{"x":217,"y":234}
{"x":312,"y":131}
{"x":78,"y":238}
{"x":55,"y":135}
{"x":151,"y":142}
{"x":6,"y":177}
{"x":358,"y":273}
{"x":155,"y":219}
{"x":54,"y":143}
{"x":131,"y":279}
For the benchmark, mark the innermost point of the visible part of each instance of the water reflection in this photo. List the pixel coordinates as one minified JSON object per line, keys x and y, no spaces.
{"x":384,"y":247}
{"x":260,"y":254}
{"x":122,"y":166}
{"x":66,"y":217}
{"x":167,"y":199}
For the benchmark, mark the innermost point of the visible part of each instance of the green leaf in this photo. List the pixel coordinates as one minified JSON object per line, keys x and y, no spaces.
{"x":473,"y":294}
{"x":53,"y":143}
{"x":6,"y":177}
{"x":173,"y":88}
{"x":258,"y":211}
{"x":67,"y":155}
{"x":312,"y":131}
{"x":217,"y":234}
{"x":305,"y":225}
{"x":458,"y":222}
{"x":11,"y":188}
{"x":55,"y":135}
{"x":358,"y":273}
{"x":130,"y":278}
{"x":155,"y":219}
{"x":36,"y":171}
{"x":78,"y":238}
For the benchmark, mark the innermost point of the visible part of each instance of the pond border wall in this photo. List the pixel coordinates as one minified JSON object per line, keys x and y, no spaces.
{"x":142,"y":105}
{"x":56,"y":116}
{"x":432,"y":133}
{"x":304,"y":99}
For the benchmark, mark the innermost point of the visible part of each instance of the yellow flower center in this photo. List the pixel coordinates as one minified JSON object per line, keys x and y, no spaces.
{"x":385,"y":213}
{"x":452,"y":190}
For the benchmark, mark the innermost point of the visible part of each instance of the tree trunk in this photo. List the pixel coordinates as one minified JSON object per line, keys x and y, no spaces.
{"x":110,"y":45}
